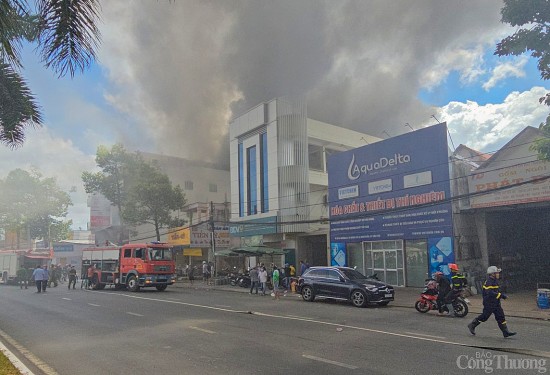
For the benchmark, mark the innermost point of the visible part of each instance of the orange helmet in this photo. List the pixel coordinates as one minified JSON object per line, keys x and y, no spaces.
{"x":453,"y":267}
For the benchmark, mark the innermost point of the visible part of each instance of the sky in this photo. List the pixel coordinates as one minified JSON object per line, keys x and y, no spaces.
{"x":171,"y":75}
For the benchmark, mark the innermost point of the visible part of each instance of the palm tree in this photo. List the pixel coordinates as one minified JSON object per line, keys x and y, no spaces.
{"x":67,"y":37}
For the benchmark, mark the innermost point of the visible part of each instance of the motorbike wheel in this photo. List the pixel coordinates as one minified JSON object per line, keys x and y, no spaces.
{"x":422,"y":306}
{"x":461,"y":308}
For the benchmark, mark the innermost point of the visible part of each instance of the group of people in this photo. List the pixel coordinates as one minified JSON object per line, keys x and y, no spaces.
{"x":45,"y":277}
{"x":491,"y":292}
{"x":280,"y":279}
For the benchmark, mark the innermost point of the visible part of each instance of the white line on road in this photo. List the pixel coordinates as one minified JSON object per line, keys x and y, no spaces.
{"x":421,"y":334}
{"x":330,"y":362}
{"x":93,"y":304}
{"x":223,"y":306}
{"x":202,"y":330}
{"x":65,"y":298}
{"x":310,"y":320}
{"x":47,"y":370}
{"x":134,"y":314}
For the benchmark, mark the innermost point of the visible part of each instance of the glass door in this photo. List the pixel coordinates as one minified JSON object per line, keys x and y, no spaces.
{"x":385,"y":258}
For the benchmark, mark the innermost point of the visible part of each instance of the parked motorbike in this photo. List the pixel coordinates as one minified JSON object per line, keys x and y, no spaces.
{"x":244,"y":281}
{"x":428,"y":301}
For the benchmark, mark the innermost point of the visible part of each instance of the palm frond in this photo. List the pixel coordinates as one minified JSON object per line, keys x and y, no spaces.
{"x":18,"y":109}
{"x":69,"y":35}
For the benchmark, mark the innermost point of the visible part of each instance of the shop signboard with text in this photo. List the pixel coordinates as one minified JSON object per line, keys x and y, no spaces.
{"x":398,"y":188}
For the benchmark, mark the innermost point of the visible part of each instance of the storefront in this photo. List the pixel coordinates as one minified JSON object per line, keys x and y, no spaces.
{"x":390,"y":207}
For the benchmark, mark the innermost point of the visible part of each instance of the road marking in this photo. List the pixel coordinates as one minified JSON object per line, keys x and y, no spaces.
{"x":67,"y":299}
{"x":47,"y":370}
{"x":537,"y":353}
{"x":93,"y":304}
{"x":223,"y":306}
{"x":330,"y":362}
{"x":202,"y":330}
{"x":421,"y":334}
{"x":134,"y":314}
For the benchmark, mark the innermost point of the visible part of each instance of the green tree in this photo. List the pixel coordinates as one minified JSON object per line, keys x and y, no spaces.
{"x":66,"y":35}
{"x":33,"y":205}
{"x":117,"y":170}
{"x":532,"y":20}
{"x":153,"y":199}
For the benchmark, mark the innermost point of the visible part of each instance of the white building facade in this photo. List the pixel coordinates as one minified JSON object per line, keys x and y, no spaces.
{"x":279,"y":180}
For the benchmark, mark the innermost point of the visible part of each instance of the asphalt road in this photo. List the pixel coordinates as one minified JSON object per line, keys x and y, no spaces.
{"x":188,"y":331}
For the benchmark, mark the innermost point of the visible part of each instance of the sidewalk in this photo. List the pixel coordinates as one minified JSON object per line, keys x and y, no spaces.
{"x":518,"y":305}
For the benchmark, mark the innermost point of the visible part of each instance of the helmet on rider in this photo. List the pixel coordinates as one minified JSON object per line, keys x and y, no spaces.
{"x":493,"y":269}
{"x":453,"y":267}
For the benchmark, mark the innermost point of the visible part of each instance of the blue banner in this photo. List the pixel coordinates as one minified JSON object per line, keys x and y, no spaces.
{"x":338,"y":254}
{"x":398,"y":188}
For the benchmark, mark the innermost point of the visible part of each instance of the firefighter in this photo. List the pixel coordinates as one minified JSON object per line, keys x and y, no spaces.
{"x":458,"y":281}
{"x":23,"y":277}
{"x":491,"y":303}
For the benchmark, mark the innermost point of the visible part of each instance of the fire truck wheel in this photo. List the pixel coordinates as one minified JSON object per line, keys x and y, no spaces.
{"x":160,"y":288}
{"x":133,"y":284}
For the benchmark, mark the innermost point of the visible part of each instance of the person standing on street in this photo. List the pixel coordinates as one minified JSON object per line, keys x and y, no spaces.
{"x":22,"y":277}
{"x":191,"y":274}
{"x":46,"y":278}
{"x":262,"y":276}
{"x":491,"y":303}
{"x":205,"y":272}
{"x":72,"y":277}
{"x":38,"y":276}
{"x":275,"y":278}
{"x":254,"y":279}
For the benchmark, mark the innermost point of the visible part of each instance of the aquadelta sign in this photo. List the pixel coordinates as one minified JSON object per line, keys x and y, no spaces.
{"x":398,"y":188}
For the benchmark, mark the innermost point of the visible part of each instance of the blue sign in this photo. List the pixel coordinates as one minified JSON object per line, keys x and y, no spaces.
{"x":441,"y":254}
{"x":57,"y":248}
{"x":403,"y":189}
{"x":338,"y":254}
{"x":253,"y":227}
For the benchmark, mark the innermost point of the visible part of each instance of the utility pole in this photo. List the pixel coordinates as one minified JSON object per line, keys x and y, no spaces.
{"x":213,"y":236}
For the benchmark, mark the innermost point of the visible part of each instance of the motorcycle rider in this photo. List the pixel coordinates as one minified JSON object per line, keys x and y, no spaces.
{"x":444,"y":296}
{"x":491,"y":303}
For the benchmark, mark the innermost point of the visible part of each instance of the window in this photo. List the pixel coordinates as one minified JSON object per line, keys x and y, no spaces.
{"x":315,"y":157}
{"x":252,"y":181}
{"x":264,"y":185}
{"x":213,"y":188}
{"x":333,"y":275}
{"x":127,"y":253}
{"x":139,"y":253}
{"x":188,"y":185}
{"x":241,"y":181}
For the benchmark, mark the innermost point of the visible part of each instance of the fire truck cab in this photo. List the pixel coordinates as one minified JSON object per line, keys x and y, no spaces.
{"x":131,"y":266}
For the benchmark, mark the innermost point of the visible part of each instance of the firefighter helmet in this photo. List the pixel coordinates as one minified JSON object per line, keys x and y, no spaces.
{"x":493,"y":269}
{"x":453,"y":267}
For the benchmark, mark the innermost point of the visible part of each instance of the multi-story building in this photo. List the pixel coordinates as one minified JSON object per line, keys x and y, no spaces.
{"x":279,"y":178}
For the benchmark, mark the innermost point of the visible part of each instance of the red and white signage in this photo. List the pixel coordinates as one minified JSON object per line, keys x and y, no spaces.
{"x":538,"y":190}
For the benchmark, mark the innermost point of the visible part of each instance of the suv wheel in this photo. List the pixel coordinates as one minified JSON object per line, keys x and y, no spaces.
{"x":307,"y":294}
{"x":358,"y":298}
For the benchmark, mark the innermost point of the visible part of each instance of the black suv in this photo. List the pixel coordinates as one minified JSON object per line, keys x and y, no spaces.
{"x":344,"y":283}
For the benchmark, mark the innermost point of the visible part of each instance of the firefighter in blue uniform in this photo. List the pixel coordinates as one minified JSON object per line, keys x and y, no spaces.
{"x":458,"y":281}
{"x":491,"y":303}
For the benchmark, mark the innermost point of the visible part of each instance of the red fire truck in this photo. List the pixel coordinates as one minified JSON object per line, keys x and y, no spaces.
{"x":131,"y":266}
